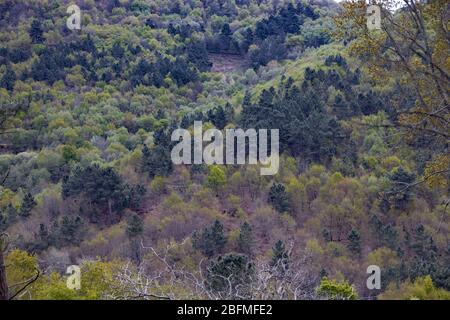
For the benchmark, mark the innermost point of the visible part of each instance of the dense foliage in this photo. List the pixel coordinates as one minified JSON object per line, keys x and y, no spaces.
{"x":86,"y":175}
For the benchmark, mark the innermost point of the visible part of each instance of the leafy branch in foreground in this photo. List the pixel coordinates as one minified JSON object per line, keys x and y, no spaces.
{"x":411,"y":51}
{"x":5,"y":290}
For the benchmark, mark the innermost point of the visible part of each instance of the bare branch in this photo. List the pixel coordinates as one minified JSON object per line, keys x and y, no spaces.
{"x":28,"y":283}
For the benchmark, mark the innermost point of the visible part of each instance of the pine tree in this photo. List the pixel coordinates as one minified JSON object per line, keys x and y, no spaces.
{"x":8,"y":217}
{"x":218,"y":117}
{"x":157,"y":161}
{"x":327,"y":236}
{"x":135,"y":226}
{"x":289,"y":19}
{"x":225,"y":38}
{"x":218,"y":236}
{"x":182,"y":73}
{"x":69,"y":231}
{"x":248,"y":40}
{"x":245,"y":241}
{"x":36,"y":32}
{"x":230,"y":276}
{"x":425,"y":253}
{"x":323,"y":273}
{"x":385,"y":233}
{"x":28,"y":204}
{"x":9,"y":79}
{"x":401,"y":196}
{"x":229,"y":112}
{"x":280,"y":257}
{"x":211,"y":240}
{"x":278,"y":198}
{"x":101,"y":185}
{"x":341,"y":108}
{"x":354,"y":244}
{"x":198,"y":55}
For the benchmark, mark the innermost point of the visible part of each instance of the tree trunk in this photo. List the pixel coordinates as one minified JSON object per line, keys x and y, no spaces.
{"x":4,"y":295}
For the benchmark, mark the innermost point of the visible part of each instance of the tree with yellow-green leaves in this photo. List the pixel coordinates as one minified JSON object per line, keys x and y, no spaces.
{"x":216,"y":178}
{"x":334,"y":290}
{"x":97,"y":282}
{"x":26,"y":281}
{"x":19,"y":272}
{"x":421,"y":289}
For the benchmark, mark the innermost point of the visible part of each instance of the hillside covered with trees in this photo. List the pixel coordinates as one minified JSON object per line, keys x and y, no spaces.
{"x":86,"y":176}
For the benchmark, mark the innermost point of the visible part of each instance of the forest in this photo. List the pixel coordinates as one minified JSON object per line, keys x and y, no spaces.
{"x":87,"y":179}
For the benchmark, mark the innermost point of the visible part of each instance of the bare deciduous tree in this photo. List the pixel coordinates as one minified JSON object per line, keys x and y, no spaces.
{"x":170,"y":282}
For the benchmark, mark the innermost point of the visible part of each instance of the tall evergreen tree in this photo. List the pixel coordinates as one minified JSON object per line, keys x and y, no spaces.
{"x":9,"y":79}
{"x":157,"y":161}
{"x":101,"y":185}
{"x":278,"y":198}
{"x":211,"y":240}
{"x":218,"y":117}
{"x":354,"y":242}
{"x":8,"y":217}
{"x":36,"y":32}
{"x":385,"y":233}
{"x":28,"y":204}
{"x":245,"y":241}
{"x":198,"y":55}
{"x":400,"y":194}
{"x":135,"y":226}
{"x":225,"y":38}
